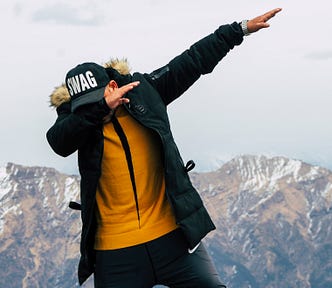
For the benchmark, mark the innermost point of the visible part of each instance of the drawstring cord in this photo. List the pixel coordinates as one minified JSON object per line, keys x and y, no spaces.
{"x":118,"y":129}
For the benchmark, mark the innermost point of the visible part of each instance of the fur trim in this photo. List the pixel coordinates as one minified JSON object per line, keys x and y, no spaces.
{"x":121,"y":65}
{"x":60,"y":93}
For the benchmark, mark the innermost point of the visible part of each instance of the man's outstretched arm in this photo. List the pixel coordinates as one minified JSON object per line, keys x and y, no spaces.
{"x":201,"y":58}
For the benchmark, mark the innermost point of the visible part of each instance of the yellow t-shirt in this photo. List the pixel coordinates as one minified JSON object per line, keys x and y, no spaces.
{"x":117,"y":220}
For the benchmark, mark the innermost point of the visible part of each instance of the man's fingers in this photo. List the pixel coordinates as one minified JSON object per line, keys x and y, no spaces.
{"x":264,"y":25}
{"x":124,"y":100}
{"x":267,"y":16}
{"x":114,"y":97}
{"x":260,"y":22}
{"x":129,"y":86}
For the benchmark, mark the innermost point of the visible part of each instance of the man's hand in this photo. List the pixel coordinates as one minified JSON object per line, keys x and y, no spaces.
{"x":114,"y":95}
{"x":261,"y":21}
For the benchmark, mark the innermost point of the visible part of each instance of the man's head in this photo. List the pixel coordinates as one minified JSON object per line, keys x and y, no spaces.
{"x":86,"y":84}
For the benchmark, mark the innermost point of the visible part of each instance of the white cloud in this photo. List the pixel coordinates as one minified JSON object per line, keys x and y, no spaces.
{"x":67,"y":14}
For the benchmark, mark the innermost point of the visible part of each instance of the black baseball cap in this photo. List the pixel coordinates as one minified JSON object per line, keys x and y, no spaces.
{"x":86,"y":84}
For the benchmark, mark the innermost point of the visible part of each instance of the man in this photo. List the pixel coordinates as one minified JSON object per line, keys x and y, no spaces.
{"x":143,"y":221}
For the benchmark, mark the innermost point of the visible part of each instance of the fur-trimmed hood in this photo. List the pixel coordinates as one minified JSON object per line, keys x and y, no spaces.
{"x":61,"y":95}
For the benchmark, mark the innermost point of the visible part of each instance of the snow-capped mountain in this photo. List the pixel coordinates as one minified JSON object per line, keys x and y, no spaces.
{"x":274,"y":221}
{"x":39,"y":234}
{"x":272,"y":215}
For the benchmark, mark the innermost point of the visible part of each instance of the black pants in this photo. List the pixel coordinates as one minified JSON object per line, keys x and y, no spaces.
{"x":165,"y":261}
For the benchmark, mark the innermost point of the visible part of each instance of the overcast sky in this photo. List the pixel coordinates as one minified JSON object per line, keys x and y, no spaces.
{"x":272,"y":95}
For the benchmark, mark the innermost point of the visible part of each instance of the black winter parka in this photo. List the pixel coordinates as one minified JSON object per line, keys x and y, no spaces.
{"x":81,"y":131}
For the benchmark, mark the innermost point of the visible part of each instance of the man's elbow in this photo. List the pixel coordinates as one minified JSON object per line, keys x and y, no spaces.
{"x":57,"y":146}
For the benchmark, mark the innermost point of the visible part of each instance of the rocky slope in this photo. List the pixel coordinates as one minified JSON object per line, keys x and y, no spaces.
{"x":39,"y":234}
{"x":272,"y":215}
{"x":274,"y":222}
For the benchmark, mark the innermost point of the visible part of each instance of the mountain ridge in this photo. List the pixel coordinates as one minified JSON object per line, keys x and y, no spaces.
{"x":272,"y":215}
{"x":293,"y":206}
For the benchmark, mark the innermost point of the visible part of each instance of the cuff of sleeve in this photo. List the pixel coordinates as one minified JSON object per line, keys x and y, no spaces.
{"x":244,"y":27}
{"x":94,"y":112}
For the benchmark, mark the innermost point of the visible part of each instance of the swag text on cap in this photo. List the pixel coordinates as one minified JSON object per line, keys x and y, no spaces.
{"x":82,"y":82}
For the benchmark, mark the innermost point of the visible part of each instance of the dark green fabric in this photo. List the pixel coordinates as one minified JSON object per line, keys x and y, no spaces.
{"x":82,"y":131}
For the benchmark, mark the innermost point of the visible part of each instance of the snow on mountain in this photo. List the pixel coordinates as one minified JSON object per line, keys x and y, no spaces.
{"x":272,"y":214}
{"x":270,"y":211}
{"x":4,"y":185}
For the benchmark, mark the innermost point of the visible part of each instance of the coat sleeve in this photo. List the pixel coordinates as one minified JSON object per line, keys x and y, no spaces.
{"x":179,"y":74}
{"x":71,"y":130}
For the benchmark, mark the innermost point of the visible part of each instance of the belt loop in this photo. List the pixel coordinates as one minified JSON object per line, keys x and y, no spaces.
{"x":75,"y":206}
{"x":190,"y":165}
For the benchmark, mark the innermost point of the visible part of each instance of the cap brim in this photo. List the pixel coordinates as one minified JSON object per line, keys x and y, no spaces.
{"x":92,"y":97}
